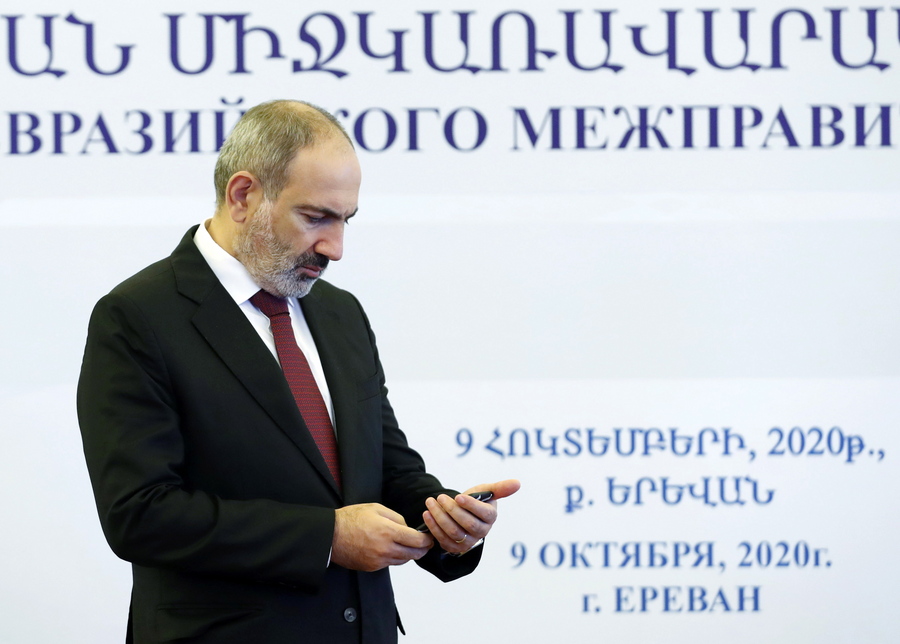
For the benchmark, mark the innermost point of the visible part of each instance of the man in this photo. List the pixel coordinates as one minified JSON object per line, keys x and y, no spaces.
{"x":258,"y":501}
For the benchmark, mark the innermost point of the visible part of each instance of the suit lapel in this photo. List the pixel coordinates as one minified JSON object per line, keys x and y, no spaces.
{"x":326,"y":328}
{"x":227,"y":330}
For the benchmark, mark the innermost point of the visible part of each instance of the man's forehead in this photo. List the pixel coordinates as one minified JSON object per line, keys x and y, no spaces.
{"x":331,"y":155}
{"x":331,"y":141}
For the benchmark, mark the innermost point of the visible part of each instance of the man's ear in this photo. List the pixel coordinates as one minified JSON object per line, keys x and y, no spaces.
{"x":242,"y":195}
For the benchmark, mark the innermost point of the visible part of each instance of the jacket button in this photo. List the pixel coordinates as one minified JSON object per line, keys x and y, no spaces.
{"x":350,"y":614}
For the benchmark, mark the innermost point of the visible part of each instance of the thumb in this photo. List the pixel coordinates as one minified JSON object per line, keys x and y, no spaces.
{"x":503,"y":489}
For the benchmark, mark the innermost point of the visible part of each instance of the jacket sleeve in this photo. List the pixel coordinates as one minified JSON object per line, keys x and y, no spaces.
{"x":407,"y":485}
{"x":131,"y":423}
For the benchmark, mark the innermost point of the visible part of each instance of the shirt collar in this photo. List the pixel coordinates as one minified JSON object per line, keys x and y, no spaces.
{"x":231,"y":273}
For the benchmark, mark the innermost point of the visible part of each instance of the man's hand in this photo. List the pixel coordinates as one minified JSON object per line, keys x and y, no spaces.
{"x":370,"y":537}
{"x":458,"y":524}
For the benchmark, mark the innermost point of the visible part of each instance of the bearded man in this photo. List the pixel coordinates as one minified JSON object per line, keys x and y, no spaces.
{"x":243,"y":453}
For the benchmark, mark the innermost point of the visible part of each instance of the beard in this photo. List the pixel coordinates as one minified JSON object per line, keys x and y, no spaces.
{"x":271,"y":262}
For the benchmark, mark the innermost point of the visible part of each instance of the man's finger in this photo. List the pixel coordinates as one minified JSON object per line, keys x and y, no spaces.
{"x":413,"y":539}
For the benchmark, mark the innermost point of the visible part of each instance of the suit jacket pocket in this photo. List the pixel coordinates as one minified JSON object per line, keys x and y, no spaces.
{"x":222,"y":622}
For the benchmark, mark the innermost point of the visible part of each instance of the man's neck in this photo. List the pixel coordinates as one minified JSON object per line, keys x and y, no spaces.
{"x":221,"y":233}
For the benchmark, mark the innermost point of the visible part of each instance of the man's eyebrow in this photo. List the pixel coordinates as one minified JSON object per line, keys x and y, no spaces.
{"x":328,"y":212}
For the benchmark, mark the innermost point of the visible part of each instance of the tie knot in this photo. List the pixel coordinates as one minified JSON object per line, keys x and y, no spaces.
{"x":268,"y":303}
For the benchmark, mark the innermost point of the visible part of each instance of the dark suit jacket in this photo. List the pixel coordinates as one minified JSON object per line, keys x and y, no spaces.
{"x":207,"y":480}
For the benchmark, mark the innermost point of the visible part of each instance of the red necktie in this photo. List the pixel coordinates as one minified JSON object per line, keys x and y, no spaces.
{"x":300,"y":379}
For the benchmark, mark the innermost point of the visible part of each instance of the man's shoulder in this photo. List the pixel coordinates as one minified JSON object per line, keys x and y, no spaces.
{"x":150,"y":294}
{"x":160,"y":280}
{"x":328,"y":291}
{"x":157,"y":274}
{"x":327,"y":294}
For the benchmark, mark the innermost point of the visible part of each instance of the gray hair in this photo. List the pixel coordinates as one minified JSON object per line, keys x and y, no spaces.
{"x":266,"y":139}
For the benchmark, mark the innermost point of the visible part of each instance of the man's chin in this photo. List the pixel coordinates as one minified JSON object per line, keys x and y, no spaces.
{"x":306,"y":287}
{"x":284,"y":286}
{"x":298,"y":286}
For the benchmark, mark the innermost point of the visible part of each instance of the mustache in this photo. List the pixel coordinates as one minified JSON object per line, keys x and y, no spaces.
{"x":316,"y":260}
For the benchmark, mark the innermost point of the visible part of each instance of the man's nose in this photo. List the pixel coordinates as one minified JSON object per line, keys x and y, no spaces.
{"x":331,"y":245}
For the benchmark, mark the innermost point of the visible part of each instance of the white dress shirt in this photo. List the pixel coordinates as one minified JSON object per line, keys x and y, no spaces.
{"x":241,"y":287}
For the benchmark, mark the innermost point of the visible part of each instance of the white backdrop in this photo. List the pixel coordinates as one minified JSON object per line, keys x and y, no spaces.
{"x":547,"y":282}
